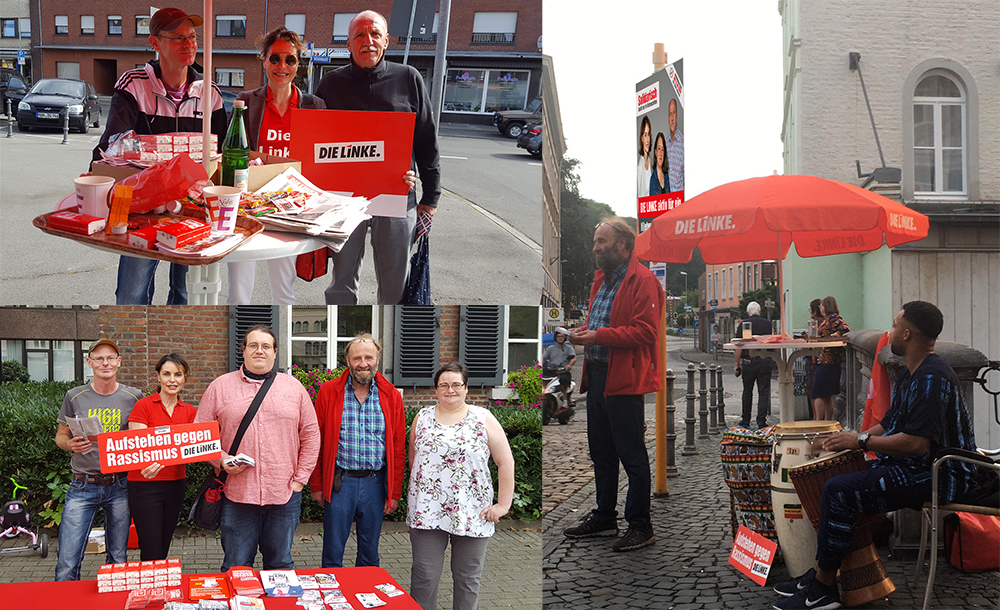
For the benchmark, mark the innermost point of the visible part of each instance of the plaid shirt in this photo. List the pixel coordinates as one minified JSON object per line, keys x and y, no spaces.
{"x":362,"y":431}
{"x":600,"y":312}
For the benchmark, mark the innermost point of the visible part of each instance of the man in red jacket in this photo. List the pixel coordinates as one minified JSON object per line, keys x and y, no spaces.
{"x":621,"y":363}
{"x":363,"y":441}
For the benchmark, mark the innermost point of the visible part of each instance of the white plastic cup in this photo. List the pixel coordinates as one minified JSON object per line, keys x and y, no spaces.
{"x":92,"y":194}
{"x":221,"y":204}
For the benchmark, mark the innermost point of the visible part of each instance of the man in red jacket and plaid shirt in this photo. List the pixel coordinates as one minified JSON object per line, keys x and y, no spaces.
{"x":621,"y":363}
{"x":363,"y":442}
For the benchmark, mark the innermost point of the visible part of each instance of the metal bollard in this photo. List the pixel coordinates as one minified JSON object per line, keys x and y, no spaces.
{"x":689,"y":420}
{"x":10,"y":121}
{"x":65,"y":125}
{"x":703,"y":401}
{"x":722,"y":403}
{"x":713,"y":426}
{"x":671,"y":432}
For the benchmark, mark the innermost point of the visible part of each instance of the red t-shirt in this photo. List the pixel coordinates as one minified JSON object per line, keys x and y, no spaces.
{"x":275,"y":129}
{"x":150,"y":411}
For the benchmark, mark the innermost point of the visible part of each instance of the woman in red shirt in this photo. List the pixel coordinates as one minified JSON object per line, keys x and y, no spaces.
{"x":155,"y":493}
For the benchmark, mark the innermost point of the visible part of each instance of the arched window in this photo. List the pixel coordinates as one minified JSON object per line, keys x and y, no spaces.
{"x":305,"y":327}
{"x":298,"y":327}
{"x":940,"y":152}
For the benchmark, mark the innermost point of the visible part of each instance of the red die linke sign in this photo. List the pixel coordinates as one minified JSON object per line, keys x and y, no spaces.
{"x":752,"y":554}
{"x":167,"y":445}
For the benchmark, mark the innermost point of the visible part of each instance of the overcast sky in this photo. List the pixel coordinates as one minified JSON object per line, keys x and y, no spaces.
{"x":732,"y":77}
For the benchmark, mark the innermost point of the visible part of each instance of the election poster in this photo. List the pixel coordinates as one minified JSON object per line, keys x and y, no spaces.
{"x":356,"y":153}
{"x":659,"y":128}
{"x":167,"y":445}
{"x":752,"y":554}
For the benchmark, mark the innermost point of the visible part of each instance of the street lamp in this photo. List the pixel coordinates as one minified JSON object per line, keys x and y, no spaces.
{"x":684,"y":273}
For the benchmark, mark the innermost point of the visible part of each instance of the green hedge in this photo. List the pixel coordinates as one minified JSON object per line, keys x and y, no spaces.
{"x":27,"y":452}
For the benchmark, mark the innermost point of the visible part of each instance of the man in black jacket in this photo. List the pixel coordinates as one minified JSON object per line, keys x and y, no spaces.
{"x":164,"y":96}
{"x":372,"y":83}
{"x":755,"y":370}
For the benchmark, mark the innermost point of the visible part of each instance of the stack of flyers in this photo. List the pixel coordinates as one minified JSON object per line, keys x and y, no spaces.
{"x":281,"y":583}
{"x":308,"y":581}
{"x":210,"y":245}
{"x":389,"y":589}
{"x":213,"y":604}
{"x":311,"y":599}
{"x":242,"y":602}
{"x":180,"y":606}
{"x":240,"y":459}
{"x":137,"y":598}
{"x":369,"y":600}
{"x":334,"y":597}
{"x":208,"y":587}
{"x":243,"y":582}
{"x":327,"y":581}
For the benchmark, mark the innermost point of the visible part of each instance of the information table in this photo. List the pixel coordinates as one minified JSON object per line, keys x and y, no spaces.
{"x":83,"y":595}
{"x":785,"y":353}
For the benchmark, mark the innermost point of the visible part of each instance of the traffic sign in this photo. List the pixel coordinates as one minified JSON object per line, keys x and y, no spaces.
{"x":554,"y":315}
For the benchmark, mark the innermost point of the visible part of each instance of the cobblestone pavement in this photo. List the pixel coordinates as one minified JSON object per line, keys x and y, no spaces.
{"x":511,"y":578}
{"x":687,"y":567}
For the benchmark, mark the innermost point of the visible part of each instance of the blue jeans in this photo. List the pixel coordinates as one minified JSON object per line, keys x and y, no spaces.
{"x":82,"y":502}
{"x":136,"y":277}
{"x":248,"y":526}
{"x":615,"y":434}
{"x":362,"y":499}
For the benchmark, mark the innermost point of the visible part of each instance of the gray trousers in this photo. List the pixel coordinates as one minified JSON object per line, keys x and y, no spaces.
{"x":391,"y":240}
{"x":467,"y":557}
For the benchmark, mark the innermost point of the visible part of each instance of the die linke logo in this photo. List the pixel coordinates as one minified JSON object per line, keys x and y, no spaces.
{"x":901,"y":221}
{"x":704,"y":224}
{"x":349,"y":152}
{"x":648,"y":99}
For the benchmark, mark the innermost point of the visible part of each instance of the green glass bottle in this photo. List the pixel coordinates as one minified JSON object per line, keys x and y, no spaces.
{"x":236,"y":151}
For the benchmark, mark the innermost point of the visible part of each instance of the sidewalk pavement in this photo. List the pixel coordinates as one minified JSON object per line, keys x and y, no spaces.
{"x":687,"y":567}
{"x":511,"y":578}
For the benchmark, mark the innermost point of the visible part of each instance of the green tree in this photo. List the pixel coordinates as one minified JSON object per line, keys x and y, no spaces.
{"x":579,"y":217}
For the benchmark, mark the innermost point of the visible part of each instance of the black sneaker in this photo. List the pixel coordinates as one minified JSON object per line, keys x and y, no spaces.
{"x":816,"y":596}
{"x":635,"y":538}
{"x":589,"y":528}
{"x":789,"y":588}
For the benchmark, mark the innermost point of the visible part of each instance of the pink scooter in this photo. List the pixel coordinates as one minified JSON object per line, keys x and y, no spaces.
{"x":14,"y":521}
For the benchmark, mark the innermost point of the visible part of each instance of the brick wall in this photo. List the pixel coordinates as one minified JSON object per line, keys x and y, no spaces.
{"x":145,"y":334}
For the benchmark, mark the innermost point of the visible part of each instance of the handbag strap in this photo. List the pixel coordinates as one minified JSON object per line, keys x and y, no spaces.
{"x":247,"y":418}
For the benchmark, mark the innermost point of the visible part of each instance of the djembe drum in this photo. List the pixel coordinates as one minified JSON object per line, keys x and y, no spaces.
{"x":746,"y":465}
{"x":862,"y":576}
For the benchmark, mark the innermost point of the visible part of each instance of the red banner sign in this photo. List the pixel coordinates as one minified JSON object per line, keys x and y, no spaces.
{"x":364,"y":154}
{"x":167,"y":445}
{"x":752,"y":554}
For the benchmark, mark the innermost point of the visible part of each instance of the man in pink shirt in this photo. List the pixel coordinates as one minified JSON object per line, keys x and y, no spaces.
{"x":261,"y":503}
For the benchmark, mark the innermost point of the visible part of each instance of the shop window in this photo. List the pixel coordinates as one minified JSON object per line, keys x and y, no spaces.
{"x":296,"y":22}
{"x":939,"y":135}
{"x":463,"y":90}
{"x":229,"y":77}
{"x":523,"y":336}
{"x":494,"y":28}
{"x":25,"y":27}
{"x":8,"y":28}
{"x":231,"y":26}
{"x":507,"y":90}
{"x":114,"y":25}
{"x":62,"y":24}
{"x":341,"y":23}
{"x":142,"y":25}
{"x":87,"y":25}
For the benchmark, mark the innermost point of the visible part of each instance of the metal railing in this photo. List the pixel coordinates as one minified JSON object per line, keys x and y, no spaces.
{"x":493,"y":38}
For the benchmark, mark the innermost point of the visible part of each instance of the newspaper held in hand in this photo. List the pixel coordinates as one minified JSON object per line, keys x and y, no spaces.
{"x":86,"y":426}
{"x":240,"y":459}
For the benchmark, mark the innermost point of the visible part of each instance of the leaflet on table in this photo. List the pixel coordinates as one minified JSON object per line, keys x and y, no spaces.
{"x":90,"y":427}
{"x":241,"y":602}
{"x":280,"y":583}
{"x":209,"y":246}
{"x":167,"y":445}
{"x":369,"y":600}
{"x":325,"y":214}
{"x":355,"y":152}
{"x":208,"y":587}
{"x":243,"y":582}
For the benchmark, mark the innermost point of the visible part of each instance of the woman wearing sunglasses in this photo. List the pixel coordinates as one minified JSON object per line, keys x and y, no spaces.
{"x":268,"y":124}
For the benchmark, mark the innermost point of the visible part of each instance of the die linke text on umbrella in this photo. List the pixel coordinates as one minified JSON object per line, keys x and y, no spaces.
{"x":705,"y":224}
{"x":902,"y":221}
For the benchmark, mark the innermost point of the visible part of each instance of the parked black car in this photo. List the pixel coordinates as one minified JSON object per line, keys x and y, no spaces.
{"x":50,"y":97}
{"x":13,"y":82}
{"x":531,"y":140}
{"x":511,"y":122}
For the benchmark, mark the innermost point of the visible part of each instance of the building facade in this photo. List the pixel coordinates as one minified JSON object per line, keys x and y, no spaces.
{"x":553,"y":151}
{"x":932,"y":80}
{"x":493,"y":55}
{"x":15,"y":35}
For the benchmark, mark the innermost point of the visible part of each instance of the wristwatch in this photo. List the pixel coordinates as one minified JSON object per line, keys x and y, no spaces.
{"x":863,"y":441}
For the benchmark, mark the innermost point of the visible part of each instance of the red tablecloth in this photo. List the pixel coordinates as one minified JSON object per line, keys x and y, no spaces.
{"x":83,"y":595}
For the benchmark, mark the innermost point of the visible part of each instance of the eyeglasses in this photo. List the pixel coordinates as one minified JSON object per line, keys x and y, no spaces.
{"x":180,"y":39}
{"x":253,"y":347}
{"x":453,"y":386}
{"x":108,"y":359}
{"x":275,"y":59}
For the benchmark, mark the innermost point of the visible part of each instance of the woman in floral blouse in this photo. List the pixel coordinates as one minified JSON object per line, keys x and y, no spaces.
{"x":451,"y":490}
{"x":826,"y":383}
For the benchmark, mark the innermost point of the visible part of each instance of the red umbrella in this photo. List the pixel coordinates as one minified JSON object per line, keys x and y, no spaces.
{"x":759,"y":219}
